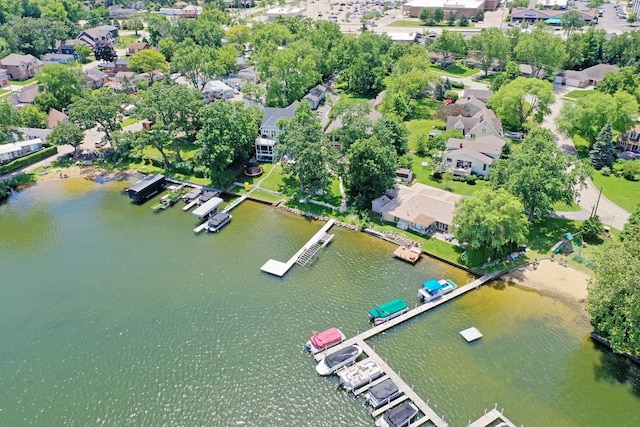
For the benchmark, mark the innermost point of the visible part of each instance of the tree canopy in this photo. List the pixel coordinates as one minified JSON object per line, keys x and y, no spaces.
{"x":520,"y":99}
{"x":492,"y":222}
{"x":66,"y":134}
{"x":539,"y":49}
{"x":490,"y":46}
{"x":539,"y":174}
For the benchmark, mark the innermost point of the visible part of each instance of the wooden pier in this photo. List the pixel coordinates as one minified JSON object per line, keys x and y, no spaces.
{"x":409,"y":314}
{"x":490,"y":418}
{"x":278,"y":268}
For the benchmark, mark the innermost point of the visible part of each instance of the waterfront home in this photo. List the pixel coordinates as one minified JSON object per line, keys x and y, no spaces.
{"x":464,"y":157}
{"x":420,"y":208}
{"x":14,"y":150}
{"x":269,"y":131}
{"x":21,"y":67}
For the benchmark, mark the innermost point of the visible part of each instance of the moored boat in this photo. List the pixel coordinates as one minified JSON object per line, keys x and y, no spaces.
{"x":216,"y":222}
{"x":434,"y":289}
{"x":320,"y":341}
{"x":398,"y":416}
{"x":338,"y":359}
{"x":388,"y":311}
{"x":382,"y":393}
{"x":359,"y":374}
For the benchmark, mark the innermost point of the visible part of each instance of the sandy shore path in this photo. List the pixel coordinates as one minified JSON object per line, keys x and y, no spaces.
{"x":93,"y":173}
{"x":553,"y":277}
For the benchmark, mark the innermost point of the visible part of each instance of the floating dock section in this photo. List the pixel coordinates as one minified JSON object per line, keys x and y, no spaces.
{"x":303,"y":256}
{"x":492,"y":418}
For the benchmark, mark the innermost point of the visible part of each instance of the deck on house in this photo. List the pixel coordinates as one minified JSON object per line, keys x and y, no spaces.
{"x":490,"y":418}
{"x":409,"y":314}
{"x":279,"y":268}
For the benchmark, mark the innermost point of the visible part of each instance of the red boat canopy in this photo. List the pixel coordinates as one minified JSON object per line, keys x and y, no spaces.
{"x":326,"y":338}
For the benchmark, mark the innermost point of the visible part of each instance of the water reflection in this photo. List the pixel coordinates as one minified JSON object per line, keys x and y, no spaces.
{"x":616,"y":368}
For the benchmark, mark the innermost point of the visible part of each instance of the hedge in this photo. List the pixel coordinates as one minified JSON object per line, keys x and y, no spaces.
{"x":27,"y":160}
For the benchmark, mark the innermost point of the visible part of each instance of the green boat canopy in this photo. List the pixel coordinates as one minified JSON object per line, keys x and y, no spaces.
{"x":388,"y":309}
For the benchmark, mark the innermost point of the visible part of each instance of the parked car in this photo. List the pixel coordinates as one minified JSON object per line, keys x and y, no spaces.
{"x":514,"y":135}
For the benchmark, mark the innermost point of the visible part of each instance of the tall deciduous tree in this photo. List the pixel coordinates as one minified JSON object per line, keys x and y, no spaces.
{"x":372,"y":167}
{"x":104,"y":51}
{"x":60,"y":84}
{"x":540,"y":48}
{"x":522,"y":98}
{"x":102,"y":107}
{"x":305,"y":144}
{"x":490,"y":46}
{"x":66,"y":134}
{"x":491,"y":221}
{"x":612,"y":300}
{"x":198,"y":64}
{"x":226,"y":138}
{"x":392,"y":133}
{"x":603,"y":152}
{"x":571,"y":21}
{"x":9,"y":118}
{"x":33,"y":117}
{"x":450,"y":42}
{"x":539,"y":174}
{"x":148,"y":61}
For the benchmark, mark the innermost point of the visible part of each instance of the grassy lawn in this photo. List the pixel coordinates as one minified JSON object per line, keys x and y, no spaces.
{"x":418,"y":126}
{"x":455,"y":70}
{"x":620,"y":191}
{"x":129,"y":121}
{"x":562,"y":207}
{"x":575,"y":94}
{"x":486,"y":79}
{"x":125,"y":41}
{"x":424,"y":108}
{"x":23,"y":82}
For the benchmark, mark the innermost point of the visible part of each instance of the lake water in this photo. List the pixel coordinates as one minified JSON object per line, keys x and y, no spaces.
{"x":112,"y":314}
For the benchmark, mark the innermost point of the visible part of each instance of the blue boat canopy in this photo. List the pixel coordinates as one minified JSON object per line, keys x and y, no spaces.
{"x":432,"y":285}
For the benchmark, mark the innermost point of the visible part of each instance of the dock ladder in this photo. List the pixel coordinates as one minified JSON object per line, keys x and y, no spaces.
{"x":308,"y":254}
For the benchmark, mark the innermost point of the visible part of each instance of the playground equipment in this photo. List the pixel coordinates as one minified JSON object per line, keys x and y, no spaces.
{"x":564,"y":245}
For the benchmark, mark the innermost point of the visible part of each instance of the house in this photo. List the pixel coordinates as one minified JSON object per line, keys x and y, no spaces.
{"x":4,"y":78}
{"x":269,"y":131}
{"x":404,"y":175}
{"x":23,"y":134}
{"x":124,"y":76}
{"x":419,"y":208}
{"x":587,"y":77}
{"x":472,"y":104}
{"x":68,"y":47}
{"x":55,"y":117}
{"x":444,"y":60}
{"x":527,"y":71}
{"x":191,"y":11}
{"x":315,"y":96}
{"x":111,"y":28}
{"x":117,"y":11}
{"x":26,"y":96}
{"x":14,"y":150}
{"x":629,"y":141}
{"x":481,"y":94}
{"x":464,"y":157}
{"x":249,"y":74}
{"x":136,"y":47}
{"x":484,"y":122}
{"x":21,"y":67}
{"x":95,"y":78}
{"x":92,"y":36}
{"x":217,"y":90}
{"x":57,"y":58}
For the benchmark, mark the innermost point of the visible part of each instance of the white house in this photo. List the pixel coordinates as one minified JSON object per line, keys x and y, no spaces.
{"x":14,"y":150}
{"x":217,"y":90}
{"x":464,"y":157}
{"x":484,"y":122}
{"x":419,"y":208}
{"x":269,"y":131}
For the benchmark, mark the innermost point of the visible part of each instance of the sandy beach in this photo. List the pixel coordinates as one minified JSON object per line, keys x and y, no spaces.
{"x":553,"y":277}
{"x":93,"y":173}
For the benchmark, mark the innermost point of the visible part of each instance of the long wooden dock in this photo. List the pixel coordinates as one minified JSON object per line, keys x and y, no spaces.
{"x":409,"y":315}
{"x":278,"y":268}
{"x":490,"y":418}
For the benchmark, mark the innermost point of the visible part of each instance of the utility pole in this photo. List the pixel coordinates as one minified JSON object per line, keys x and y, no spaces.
{"x":595,"y":208}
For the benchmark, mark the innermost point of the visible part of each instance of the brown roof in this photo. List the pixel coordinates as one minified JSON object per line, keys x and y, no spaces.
{"x":55,"y":117}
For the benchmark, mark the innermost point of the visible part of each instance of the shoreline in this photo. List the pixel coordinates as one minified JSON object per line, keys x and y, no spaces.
{"x":92,"y":173}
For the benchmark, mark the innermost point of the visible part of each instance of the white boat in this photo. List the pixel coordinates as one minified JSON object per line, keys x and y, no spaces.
{"x":338,"y":359}
{"x":320,"y":341}
{"x":383,"y":393}
{"x":434,"y":289}
{"x":218,"y":221}
{"x":363,"y":372}
{"x":398,"y":416}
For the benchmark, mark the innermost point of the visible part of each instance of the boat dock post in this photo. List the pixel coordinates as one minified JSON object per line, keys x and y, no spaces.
{"x":490,"y":418}
{"x":278,"y":268}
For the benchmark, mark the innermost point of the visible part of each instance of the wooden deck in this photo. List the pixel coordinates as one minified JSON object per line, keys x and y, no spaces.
{"x":490,"y":418}
{"x":279,"y":268}
{"x":408,"y":254}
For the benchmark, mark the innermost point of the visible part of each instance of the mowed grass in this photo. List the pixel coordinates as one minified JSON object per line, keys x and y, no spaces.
{"x":576,"y":94}
{"x":455,"y":70}
{"x":32,"y":80}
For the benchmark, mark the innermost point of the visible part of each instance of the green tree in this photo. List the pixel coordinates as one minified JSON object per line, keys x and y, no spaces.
{"x":156,"y":138}
{"x":33,"y":117}
{"x":447,"y":177}
{"x":104,"y":51}
{"x":603,"y":152}
{"x":571,"y":21}
{"x":371,"y":172}
{"x":9,"y":118}
{"x":518,"y":3}
{"x":135,"y":23}
{"x":612,"y":300}
{"x":626,"y":79}
{"x":522,"y":98}
{"x":100,"y":107}
{"x":303,"y":141}
{"x":421,"y":142}
{"x":438,"y":15}
{"x":226,"y":138}
{"x":60,"y":85}
{"x":451,"y":18}
{"x":490,"y":46}
{"x":592,"y":228}
{"x":148,"y":61}
{"x":66,"y":134}
{"x":463,"y":21}
{"x":539,"y":174}
{"x":392,"y":133}
{"x":539,"y":49}
{"x":239,"y":35}
{"x":167,"y":46}
{"x":355,"y":121}
{"x":491,"y":222}
{"x":450,"y":42}
{"x":198,"y":64}
{"x":82,"y":52}
{"x":426,"y":16}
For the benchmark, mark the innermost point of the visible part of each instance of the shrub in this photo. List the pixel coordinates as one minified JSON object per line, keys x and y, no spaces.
{"x":605,"y":171}
{"x":458,"y":178}
{"x":457,"y":85}
{"x":450,"y":94}
{"x":183,"y":168}
{"x":592,"y":228}
{"x":631,"y":170}
{"x":200,"y":171}
{"x":471,"y":180}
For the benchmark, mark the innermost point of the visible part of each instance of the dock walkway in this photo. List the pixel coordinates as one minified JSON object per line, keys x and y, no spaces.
{"x":279,"y":268}
{"x":409,"y":314}
{"x":490,"y":418}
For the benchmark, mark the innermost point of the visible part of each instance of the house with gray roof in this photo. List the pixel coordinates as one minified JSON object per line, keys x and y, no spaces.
{"x":269,"y":130}
{"x":315,"y":96}
{"x":465,"y":157}
{"x":587,"y":77}
{"x":481,"y":94}
{"x":471,"y":104}
{"x":102,"y":34}
{"x":482,"y":123}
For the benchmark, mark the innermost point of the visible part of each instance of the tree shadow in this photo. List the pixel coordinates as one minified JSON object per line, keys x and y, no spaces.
{"x":616,"y":368}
